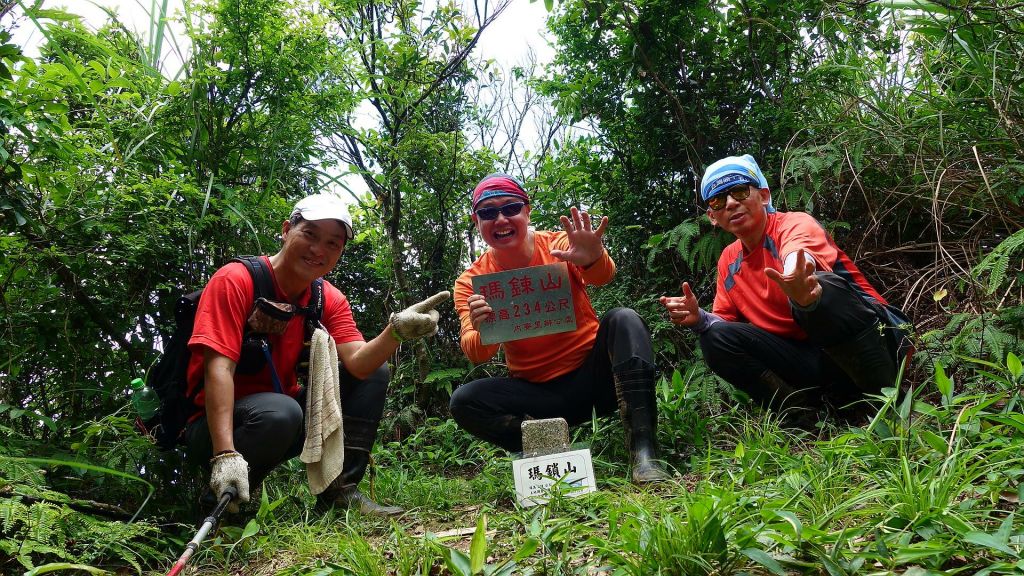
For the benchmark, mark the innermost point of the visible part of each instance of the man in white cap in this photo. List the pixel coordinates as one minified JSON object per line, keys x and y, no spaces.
{"x":794,"y":322}
{"x":250,"y":407}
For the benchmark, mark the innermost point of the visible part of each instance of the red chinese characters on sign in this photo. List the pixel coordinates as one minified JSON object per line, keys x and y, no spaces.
{"x":523,"y":312}
{"x":527,"y":302}
{"x":492,"y":290}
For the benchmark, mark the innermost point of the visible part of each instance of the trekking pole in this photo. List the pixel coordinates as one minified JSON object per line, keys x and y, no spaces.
{"x":208,"y":524}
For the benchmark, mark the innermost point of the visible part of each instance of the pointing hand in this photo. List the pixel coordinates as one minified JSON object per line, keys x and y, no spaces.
{"x":418,"y":320}
{"x":682,"y":310}
{"x":801,"y":285}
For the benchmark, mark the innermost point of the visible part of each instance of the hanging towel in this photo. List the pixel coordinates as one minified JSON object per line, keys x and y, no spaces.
{"x":324,"y":448}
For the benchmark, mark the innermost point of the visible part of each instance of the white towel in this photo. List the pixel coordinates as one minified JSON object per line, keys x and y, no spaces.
{"x":324,"y":449}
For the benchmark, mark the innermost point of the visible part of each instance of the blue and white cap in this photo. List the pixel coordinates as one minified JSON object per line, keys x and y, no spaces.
{"x":730,"y":171}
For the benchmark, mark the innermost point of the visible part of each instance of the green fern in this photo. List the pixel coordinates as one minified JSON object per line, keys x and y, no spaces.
{"x":683,"y":236}
{"x":34,"y":531}
{"x":969,"y":335}
{"x":695,"y":245}
{"x":38,"y":525}
{"x":43,"y":531}
{"x":997,"y":263}
{"x":706,"y":251}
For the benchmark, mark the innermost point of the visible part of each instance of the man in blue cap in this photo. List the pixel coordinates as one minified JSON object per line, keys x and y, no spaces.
{"x":794,"y":322}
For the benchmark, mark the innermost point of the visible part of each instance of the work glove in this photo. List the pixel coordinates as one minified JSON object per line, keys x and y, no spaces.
{"x":418,"y":320}
{"x":230,"y":470}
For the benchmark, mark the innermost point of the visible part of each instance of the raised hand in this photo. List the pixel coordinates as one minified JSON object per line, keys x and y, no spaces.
{"x":800,"y":285}
{"x":585,"y":244}
{"x":682,"y":310}
{"x":418,"y":320}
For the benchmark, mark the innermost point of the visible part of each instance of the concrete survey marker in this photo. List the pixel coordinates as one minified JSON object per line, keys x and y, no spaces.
{"x":545,"y":436}
{"x":549,"y":464}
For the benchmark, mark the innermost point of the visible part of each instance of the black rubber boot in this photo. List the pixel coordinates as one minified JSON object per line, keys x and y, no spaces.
{"x":866,"y":359}
{"x":344,"y":492}
{"x":352,"y":497}
{"x":793,"y":405}
{"x":638,"y":407}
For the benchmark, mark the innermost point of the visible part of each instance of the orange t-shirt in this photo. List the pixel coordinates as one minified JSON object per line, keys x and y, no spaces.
{"x":545,"y":357}
{"x":223,"y":311}
{"x":744,"y":293}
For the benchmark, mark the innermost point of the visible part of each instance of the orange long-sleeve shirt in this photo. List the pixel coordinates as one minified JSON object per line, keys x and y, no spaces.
{"x":545,"y":357}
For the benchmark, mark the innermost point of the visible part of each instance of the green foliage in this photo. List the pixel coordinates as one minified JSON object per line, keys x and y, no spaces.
{"x":42,"y":531}
{"x":967,"y":335}
{"x":997,"y":263}
{"x":687,"y":402}
{"x":706,"y":537}
{"x":475,"y":563}
{"x":897,"y":124}
{"x":695,"y":245}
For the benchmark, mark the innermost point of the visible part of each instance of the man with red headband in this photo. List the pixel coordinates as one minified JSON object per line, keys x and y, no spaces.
{"x":795,"y":322}
{"x":600,"y":366}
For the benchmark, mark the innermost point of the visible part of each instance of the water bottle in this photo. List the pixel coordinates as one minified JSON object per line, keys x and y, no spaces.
{"x":144,"y":399}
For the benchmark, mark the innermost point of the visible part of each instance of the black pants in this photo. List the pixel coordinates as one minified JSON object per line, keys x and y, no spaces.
{"x":741,"y":353}
{"x":494,"y":409}
{"x":270,"y":428}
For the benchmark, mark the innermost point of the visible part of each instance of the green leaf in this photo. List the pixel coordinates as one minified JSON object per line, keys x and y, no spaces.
{"x":1013,"y":420}
{"x":1014,"y":365}
{"x":989,"y":541}
{"x":445,"y":374}
{"x":905,"y":406}
{"x":55,"y":15}
{"x":798,"y":527}
{"x":251,"y":529}
{"x":529,"y":546}
{"x":478,"y":547}
{"x":458,"y":562}
{"x":943,"y":383}
{"x":831,"y":566}
{"x":55,"y":566}
{"x":120,"y":82}
{"x":764,"y":559}
{"x":934,"y":441}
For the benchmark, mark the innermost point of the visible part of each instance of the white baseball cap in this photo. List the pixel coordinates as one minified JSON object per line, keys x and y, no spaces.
{"x":325,"y":207}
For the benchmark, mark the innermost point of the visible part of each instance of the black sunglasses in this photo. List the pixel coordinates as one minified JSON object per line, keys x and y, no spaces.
{"x":508,"y":211}
{"x":739,"y":193}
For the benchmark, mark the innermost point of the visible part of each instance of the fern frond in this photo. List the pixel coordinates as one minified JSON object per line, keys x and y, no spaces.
{"x":997,"y":263}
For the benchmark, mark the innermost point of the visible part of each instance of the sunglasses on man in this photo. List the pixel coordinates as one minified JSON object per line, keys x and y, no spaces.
{"x":508,"y":210}
{"x":739,"y":193}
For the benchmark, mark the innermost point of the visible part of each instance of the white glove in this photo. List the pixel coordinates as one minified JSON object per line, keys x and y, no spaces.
{"x":418,"y":320}
{"x":230,"y":471}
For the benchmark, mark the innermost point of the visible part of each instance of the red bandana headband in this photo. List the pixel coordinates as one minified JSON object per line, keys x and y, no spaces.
{"x":498,"y":185}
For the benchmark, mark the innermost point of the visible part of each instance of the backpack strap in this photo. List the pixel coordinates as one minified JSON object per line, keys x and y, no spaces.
{"x":262,"y":277}
{"x":315,"y":310}
{"x":263,"y":286}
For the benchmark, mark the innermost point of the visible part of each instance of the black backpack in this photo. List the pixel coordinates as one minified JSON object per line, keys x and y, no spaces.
{"x":169,"y":377}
